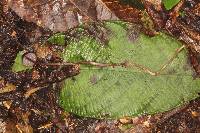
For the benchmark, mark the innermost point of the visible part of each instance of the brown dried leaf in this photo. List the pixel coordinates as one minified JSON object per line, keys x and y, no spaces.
{"x":123,"y":12}
{"x":95,"y":9}
{"x":11,"y":127}
{"x":24,"y":128}
{"x":6,"y":87}
{"x":61,"y":15}
{"x":56,"y":15}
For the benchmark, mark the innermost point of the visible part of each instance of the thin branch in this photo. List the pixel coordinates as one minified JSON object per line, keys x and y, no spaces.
{"x":45,"y":126}
{"x":32,"y":91}
{"x":19,"y":129}
{"x":101,"y":65}
{"x":124,"y":64}
{"x":142,"y":68}
{"x":170,"y":60}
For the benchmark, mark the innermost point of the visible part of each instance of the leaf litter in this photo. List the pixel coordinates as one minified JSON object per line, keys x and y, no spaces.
{"x":41,"y":82}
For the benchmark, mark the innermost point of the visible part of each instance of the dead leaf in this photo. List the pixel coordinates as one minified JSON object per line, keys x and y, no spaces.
{"x":56,"y":15}
{"x":6,"y":87}
{"x":123,"y":12}
{"x":24,"y":128}
{"x":61,"y":15}
{"x":125,"y":120}
{"x":11,"y":126}
{"x":95,"y":9}
{"x":7,"y":104}
{"x":42,"y":51}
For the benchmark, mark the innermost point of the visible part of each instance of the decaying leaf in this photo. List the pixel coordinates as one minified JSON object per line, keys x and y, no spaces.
{"x":6,"y":87}
{"x":18,"y":65}
{"x":61,"y":15}
{"x":55,"y":15}
{"x":95,"y":9}
{"x":123,"y":11}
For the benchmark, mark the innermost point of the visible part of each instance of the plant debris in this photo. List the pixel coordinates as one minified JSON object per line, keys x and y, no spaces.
{"x":29,"y":97}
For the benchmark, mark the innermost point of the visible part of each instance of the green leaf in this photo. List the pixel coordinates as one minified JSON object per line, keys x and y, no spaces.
{"x":87,"y":49}
{"x":18,"y":65}
{"x":170,"y":3}
{"x":58,"y":38}
{"x":114,"y":92}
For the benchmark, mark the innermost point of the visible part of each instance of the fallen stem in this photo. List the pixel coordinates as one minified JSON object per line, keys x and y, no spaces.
{"x":101,"y":65}
{"x":45,"y":126}
{"x":32,"y":90}
{"x":170,"y":60}
{"x":123,"y":64}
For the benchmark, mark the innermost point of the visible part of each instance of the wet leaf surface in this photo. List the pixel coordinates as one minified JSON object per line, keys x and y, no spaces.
{"x":132,"y":89}
{"x":30,"y":97}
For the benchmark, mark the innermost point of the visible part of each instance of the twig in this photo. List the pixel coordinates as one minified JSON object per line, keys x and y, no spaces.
{"x":170,"y":60}
{"x":32,"y":90}
{"x":45,"y":126}
{"x":124,"y":64}
{"x":19,"y":129}
{"x":142,"y":68}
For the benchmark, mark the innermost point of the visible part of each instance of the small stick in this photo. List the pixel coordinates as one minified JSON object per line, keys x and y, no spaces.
{"x":45,"y":126}
{"x":32,"y":90}
{"x":142,"y":68}
{"x":19,"y":129}
{"x":124,"y":64}
{"x":170,"y":60}
{"x":127,"y":64}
